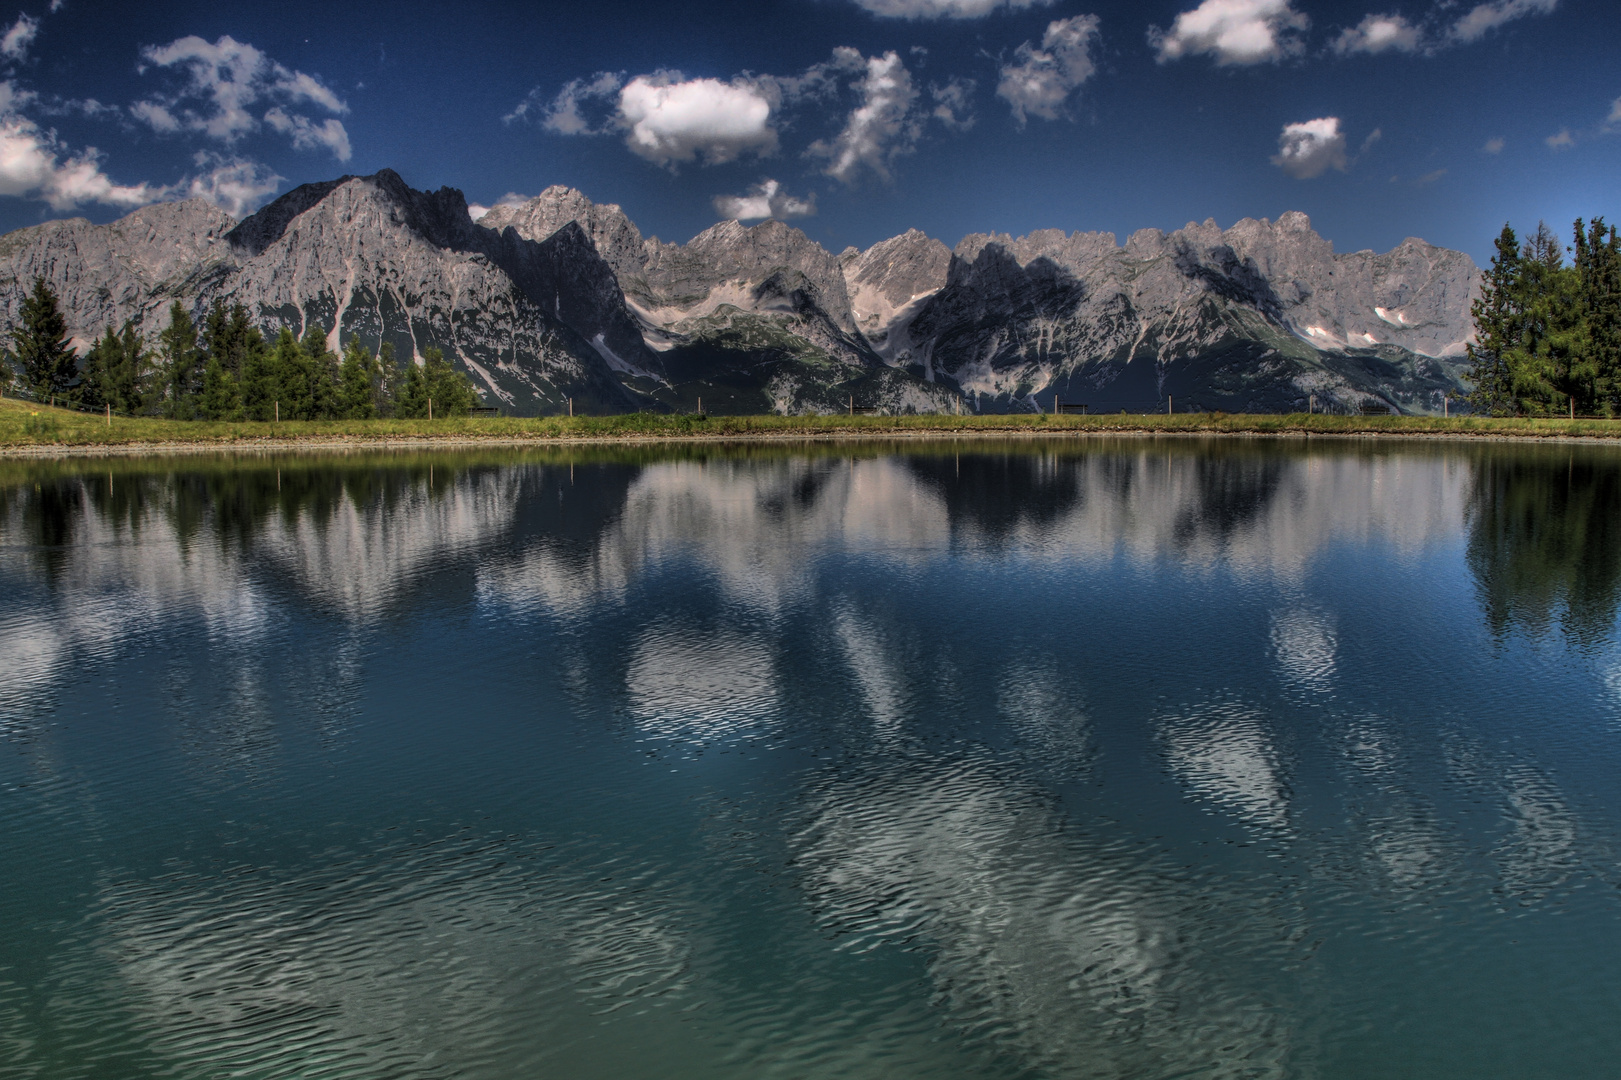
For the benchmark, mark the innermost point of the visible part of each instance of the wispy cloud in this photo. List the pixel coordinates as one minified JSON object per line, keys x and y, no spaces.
{"x":224,"y":83}
{"x":1494,"y":146}
{"x":15,"y":42}
{"x":878,"y":129}
{"x":1041,"y":79}
{"x":1561,"y":140}
{"x":945,"y":9}
{"x":1482,"y":19}
{"x":1378,"y":34}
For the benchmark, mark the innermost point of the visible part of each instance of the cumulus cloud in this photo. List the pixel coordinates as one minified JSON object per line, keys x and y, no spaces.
{"x":666,"y":117}
{"x":1311,"y":148}
{"x":33,"y":164}
{"x":1379,"y":33}
{"x":476,"y":211}
{"x":1561,"y":140}
{"x":224,"y":83}
{"x":945,"y":9}
{"x":1494,"y":146}
{"x":1235,"y":32}
{"x":1040,"y":80}
{"x":235,"y":185}
{"x":14,"y":44}
{"x":880,"y":128}
{"x":765,"y":200}
{"x":671,"y":119}
{"x":1484,"y":18}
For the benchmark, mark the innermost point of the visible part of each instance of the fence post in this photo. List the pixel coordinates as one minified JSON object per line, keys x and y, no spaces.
{"x":109,"y":415}
{"x":852,"y":404}
{"x":278,"y":420}
{"x":430,"y":408}
{"x":571,"y":407}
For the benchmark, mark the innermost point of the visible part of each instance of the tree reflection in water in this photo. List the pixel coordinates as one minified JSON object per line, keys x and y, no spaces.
{"x":1545,"y":539}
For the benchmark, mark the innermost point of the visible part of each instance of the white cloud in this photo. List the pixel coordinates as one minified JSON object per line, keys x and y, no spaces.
{"x":476,"y":211}
{"x":235,"y":185}
{"x":307,"y":134}
{"x":954,"y":103}
{"x":21,"y":35}
{"x":1494,"y":146}
{"x":671,"y":119}
{"x":878,"y":129}
{"x":564,"y":115}
{"x":1377,"y":34}
{"x":1563,"y":140}
{"x":224,"y":82}
{"x":764,"y":200}
{"x":1431,"y":177}
{"x":945,"y":9}
{"x":1484,"y":18}
{"x":1233,"y":31}
{"x":1040,"y":81}
{"x":34,"y":165}
{"x":1615,"y":112}
{"x":1311,"y":148}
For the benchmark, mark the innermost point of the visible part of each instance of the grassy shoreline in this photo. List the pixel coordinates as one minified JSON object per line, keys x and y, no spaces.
{"x":28,"y":429}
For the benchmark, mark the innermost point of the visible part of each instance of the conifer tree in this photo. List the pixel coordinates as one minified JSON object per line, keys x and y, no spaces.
{"x":322,"y":368}
{"x":40,"y":339}
{"x":1554,"y":368}
{"x":411,"y":395}
{"x":451,"y":391}
{"x":1497,"y":328}
{"x":357,"y":383}
{"x":182,"y":364}
{"x":1598,"y":264}
{"x":221,"y":399}
{"x":392,"y":381}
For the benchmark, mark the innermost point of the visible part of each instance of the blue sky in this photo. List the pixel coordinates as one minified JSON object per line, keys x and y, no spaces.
{"x":854,"y":119}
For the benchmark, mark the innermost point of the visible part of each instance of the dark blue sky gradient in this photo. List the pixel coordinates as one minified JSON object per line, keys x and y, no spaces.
{"x":1150,"y":144}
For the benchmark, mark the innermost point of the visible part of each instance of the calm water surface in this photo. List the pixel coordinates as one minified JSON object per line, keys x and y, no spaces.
{"x":1099,"y":759}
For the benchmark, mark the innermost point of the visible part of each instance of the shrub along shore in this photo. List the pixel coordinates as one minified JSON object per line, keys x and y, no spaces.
{"x":28,"y":427}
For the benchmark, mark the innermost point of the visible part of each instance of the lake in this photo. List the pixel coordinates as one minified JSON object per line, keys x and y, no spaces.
{"x":1124,"y":757}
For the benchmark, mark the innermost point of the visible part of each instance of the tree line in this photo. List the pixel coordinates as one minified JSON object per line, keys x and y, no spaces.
{"x":1548,"y":332}
{"x":225,"y":369}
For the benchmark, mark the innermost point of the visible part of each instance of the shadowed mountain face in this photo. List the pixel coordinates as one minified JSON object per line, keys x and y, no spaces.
{"x":561,"y":298}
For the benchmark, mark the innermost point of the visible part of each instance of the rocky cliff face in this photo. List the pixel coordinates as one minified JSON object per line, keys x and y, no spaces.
{"x":560,"y":297}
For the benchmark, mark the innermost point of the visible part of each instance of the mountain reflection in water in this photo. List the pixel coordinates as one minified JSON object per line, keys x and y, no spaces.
{"x":1109,"y":758}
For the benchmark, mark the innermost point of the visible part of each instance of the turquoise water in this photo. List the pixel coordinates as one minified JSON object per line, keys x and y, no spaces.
{"x":1136,"y":758}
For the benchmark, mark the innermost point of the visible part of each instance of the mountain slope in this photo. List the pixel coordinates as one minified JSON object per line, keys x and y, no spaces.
{"x":559,"y":298}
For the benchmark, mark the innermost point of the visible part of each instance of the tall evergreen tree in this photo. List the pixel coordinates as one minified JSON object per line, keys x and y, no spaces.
{"x":1598,"y":265}
{"x":322,"y":367}
{"x":1497,"y":330}
{"x":392,"y":381}
{"x":1554,"y":369}
{"x":182,"y":364}
{"x":357,"y":383}
{"x":451,"y":391}
{"x":220,"y":399}
{"x":411,"y":395}
{"x":40,"y":339}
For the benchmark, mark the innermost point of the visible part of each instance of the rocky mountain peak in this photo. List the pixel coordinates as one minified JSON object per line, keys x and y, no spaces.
{"x":439,"y":217}
{"x":615,"y":237}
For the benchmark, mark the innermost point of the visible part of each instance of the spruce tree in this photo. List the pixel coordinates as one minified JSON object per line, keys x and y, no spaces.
{"x":1553,"y":369}
{"x":357,"y":383}
{"x":451,"y":391}
{"x":40,"y":339}
{"x":182,"y":364}
{"x":1497,"y":317}
{"x":1598,"y":263}
{"x":322,"y":367}
{"x":291,"y":376}
{"x":389,"y":386}
{"x":220,"y":399}
{"x":411,"y":396}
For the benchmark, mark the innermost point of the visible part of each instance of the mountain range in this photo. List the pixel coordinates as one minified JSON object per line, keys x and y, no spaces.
{"x":560,"y":298}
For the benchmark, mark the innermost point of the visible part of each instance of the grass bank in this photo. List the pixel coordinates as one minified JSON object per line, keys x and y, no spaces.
{"x":29,"y":428}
